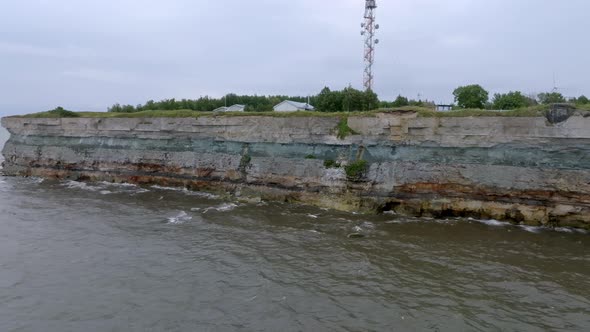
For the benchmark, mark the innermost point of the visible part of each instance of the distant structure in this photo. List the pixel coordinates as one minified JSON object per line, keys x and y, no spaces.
{"x":293,"y":106}
{"x":370,"y":28}
{"x":444,"y":108}
{"x":233,"y":108}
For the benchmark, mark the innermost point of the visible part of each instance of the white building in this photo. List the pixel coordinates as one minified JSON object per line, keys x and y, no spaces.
{"x":233,"y":108}
{"x":293,"y":106}
{"x":221,"y":109}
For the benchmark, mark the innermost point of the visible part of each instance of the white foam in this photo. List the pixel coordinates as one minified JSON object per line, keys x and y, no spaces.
{"x":79,"y":185}
{"x":313,"y":216}
{"x":221,"y":208}
{"x":492,"y":222}
{"x":531,"y":229}
{"x":114,"y":184}
{"x":179,"y":219}
{"x":105,"y":188}
{"x":564,"y":230}
{"x":187,"y":192}
{"x":399,"y":222}
{"x":367,"y":224}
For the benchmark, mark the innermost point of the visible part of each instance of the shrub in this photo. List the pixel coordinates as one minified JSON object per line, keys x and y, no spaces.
{"x":510,"y":101}
{"x":63,"y":113}
{"x":356,"y":170}
{"x":343,"y":129}
{"x":551,"y":98}
{"x":582,"y":100}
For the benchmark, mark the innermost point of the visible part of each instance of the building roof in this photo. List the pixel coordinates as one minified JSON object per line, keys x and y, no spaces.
{"x":298,"y":105}
{"x":233,"y":108}
{"x":236,"y":108}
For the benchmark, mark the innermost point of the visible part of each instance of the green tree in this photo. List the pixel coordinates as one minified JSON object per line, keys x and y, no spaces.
{"x":509,"y":101}
{"x":370,"y":101}
{"x":582,"y":100}
{"x":551,"y":98}
{"x":400,"y":101}
{"x":471,"y":96}
{"x":329,"y":101}
{"x":115,"y":108}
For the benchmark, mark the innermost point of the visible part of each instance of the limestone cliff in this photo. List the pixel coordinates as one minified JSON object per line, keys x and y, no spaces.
{"x":520,"y":169}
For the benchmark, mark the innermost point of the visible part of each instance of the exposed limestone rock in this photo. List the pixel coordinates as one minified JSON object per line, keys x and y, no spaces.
{"x":525,"y":170}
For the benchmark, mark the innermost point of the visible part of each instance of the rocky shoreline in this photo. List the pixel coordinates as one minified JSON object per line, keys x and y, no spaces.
{"x":530,"y":170}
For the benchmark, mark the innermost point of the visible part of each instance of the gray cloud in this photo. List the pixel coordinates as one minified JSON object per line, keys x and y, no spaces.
{"x":87,"y":55}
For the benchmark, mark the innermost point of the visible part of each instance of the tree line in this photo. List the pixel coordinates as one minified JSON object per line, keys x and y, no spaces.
{"x":475,"y":96}
{"x":353,"y":100}
{"x":346,"y":100}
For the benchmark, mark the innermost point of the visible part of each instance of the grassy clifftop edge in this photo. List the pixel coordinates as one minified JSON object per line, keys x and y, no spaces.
{"x":536,"y":111}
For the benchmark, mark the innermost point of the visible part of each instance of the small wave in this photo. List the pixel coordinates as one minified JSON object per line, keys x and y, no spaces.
{"x":79,"y":185}
{"x":399,"y":221}
{"x":122,"y":185}
{"x":569,"y":230}
{"x":179,"y":219}
{"x":368,"y":225}
{"x":564,"y":230}
{"x":105,"y":188}
{"x":532,"y":229}
{"x":125,"y":187}
{"x":221,"y":208}
{"x":357,"y":229}
{"x":313,"y":216}
{"x":187,"y":192}
{"x":492,"y":222}
{"x":35,"y":180}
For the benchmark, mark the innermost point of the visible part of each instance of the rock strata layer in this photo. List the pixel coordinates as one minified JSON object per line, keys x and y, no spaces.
{"x":525,"y":170}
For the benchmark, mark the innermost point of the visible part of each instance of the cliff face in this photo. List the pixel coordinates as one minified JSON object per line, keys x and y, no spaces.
{"x":521,"y":169}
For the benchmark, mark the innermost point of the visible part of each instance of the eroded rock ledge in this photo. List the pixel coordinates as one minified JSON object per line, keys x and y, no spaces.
{"x":526,"y":170}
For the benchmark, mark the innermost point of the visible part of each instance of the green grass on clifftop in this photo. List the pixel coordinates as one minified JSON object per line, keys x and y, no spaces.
{"x":536,"y":111}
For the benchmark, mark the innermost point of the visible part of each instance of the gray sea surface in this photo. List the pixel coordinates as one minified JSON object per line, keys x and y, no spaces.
{"x":109,"y":257}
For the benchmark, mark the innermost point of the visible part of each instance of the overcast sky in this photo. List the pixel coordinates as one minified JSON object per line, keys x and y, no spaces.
{"x":87,"y":55}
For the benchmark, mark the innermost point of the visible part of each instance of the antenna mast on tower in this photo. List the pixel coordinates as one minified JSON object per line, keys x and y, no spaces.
{"x":369,"y":27}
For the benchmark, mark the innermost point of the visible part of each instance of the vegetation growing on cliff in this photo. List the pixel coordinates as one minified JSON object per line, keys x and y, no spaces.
{"x":356,"y":170}
{"x":343,"y":130}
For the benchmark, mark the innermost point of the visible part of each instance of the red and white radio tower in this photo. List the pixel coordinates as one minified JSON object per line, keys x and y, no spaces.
{"x":370,"y":27}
